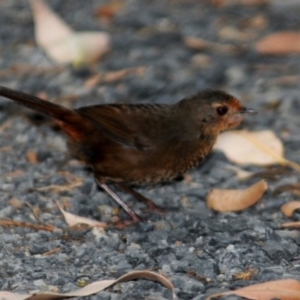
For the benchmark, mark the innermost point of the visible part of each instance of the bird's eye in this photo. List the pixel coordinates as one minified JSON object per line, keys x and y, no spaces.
{"x":222,"y":110}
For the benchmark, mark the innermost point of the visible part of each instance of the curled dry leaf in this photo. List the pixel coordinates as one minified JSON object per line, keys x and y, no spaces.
{"x":285,"y":289}
{"x":283,"y":42}
{"x":289,"y":208}
{"x":61,"y":43}
{"x":261,"y":148}
{"x":93,"y":288}
{"x":236,"y":200}
{"x":73,"y":220}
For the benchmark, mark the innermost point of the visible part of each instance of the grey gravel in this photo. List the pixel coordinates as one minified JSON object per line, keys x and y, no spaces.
{"x":199,"y":250}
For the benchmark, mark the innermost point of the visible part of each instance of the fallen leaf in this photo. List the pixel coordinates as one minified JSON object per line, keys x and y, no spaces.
{"x":201,"y":44}
{"x":235,"y":34}
{"x":261,"y":148}
{"x":93,"y":288}
{"x":283,"y":42}
{"x":288,"y":208}
{"x":73,"y":220}
{"x":240,"y":173}
{"x":110,"y":9}
{"x":286,"y":80}
{"x":15,"y":202}
{"x":61,"y":42}
{"x":32,"y":157}
{"x":285,"y":289}
{"x":52,"y":251}
{"x":291,"y":224}
{"x":113,"y":76}
{"x":5,"y":148}
{"x":74,"y":182}
{"x":13,"y":174}
{"x":235,"y":200}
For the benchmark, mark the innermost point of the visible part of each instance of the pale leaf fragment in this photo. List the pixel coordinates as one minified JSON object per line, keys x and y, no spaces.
{"x":61,"y":42}
{"x":261,"y":148}
{"x":283,"y":42}
{"x":285,"y":289}
{"x":291,"y":224}
{"x":201,"y":44}
{"x":240,"y":173}
{"x":235,"y":200}
{"x":93,"y":288}
{"x":73,"y":220}
{"x":288,"y":208}
{"x":49,"y":27}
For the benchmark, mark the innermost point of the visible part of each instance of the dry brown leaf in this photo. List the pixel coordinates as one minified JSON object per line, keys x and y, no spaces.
{"x":113,"y":76}
{"x":110,"y":9}
{"x":285,"y":289}
{"x":52,"y":251}
{"x":15,"y":202}
{"x":73,"y":220}
{"x":261,"y":148}
{"x":286,"y":80}
{"x":32,"y":157}
{"x":288,"y":208}
{"x":201,"y":44}
{"x":291,"y":224}
{"x":283,"y":42}
{"x":235,"y":200}
{"x":231,"y":33}
{"x":61,"y":43}
{"x":93,"y":288}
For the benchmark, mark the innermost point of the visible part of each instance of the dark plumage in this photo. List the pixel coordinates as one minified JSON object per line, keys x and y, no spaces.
{"x":141,"y":143}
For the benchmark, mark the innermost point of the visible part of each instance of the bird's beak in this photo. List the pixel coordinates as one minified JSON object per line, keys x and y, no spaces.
{"x":249,"y":111}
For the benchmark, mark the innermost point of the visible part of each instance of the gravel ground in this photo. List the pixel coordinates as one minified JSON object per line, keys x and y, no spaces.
{"x":199,"y":250}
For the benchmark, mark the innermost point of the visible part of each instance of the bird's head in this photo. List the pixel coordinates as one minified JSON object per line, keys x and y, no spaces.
{"x":216,"y":110}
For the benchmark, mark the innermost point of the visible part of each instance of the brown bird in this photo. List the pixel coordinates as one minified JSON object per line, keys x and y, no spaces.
{"x":141,"y":143}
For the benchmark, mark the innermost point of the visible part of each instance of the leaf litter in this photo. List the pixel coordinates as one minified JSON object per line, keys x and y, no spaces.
{"x":61,"y":43}
{"x":262,"y":148}
{"x":284,"y":289}
{"x":235,"y":200}
{"x":93,"y":288}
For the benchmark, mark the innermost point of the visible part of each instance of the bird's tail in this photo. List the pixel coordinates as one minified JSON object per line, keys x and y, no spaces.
{"x":71,"y":122}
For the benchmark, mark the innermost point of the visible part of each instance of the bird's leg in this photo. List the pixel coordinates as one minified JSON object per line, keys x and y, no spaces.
{"x":151,"y":205}
{"x":131,"y":213}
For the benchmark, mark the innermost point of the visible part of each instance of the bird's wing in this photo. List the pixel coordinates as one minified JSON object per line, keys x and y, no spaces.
{"x":129,"y":125}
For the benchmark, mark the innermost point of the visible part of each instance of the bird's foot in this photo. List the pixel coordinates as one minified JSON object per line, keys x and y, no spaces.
{"x":116,"y":222}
